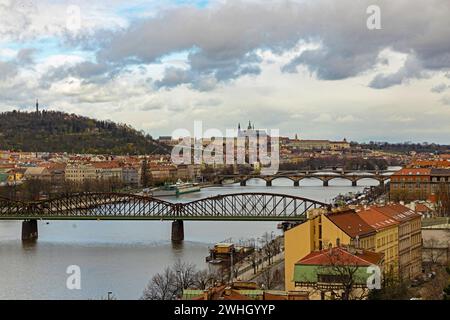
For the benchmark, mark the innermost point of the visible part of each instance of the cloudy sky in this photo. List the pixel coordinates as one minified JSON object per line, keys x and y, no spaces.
{"x":310,"y":67}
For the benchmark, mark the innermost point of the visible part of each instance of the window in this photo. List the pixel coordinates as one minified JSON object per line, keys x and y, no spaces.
{"x":333,"y":278}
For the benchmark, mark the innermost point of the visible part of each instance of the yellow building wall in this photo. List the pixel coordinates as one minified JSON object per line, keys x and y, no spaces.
{"x":15,"y":177}
{"x":386,"y":241}
{"x":307,"y":237}
{"x":298,"y":243}
{"x":330,"y":234}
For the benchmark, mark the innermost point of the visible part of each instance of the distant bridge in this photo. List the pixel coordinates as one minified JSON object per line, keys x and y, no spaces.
{"x":325,"y":176}
{"x":118,"y":206}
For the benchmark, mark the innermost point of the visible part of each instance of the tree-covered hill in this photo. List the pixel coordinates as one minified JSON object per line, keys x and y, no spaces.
{"x":54,"y":131}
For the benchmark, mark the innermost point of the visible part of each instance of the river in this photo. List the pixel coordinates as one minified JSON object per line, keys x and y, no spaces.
{"x":122,"y":256}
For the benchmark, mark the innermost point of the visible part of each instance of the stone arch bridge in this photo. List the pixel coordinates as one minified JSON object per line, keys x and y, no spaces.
{"x":297,"y":176}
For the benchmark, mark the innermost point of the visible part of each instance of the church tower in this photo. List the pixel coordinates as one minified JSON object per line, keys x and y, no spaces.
{"x":37,"y":106}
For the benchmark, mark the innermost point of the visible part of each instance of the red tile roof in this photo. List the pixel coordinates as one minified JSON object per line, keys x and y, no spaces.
{"x":376,"y":219}
{"x":420,"y":207}
{"x":397,"y":212}
{"x":413,"y":172}
{"x":341,"y":256}
{"x":350,"y":223}
{"x":106,"y":165}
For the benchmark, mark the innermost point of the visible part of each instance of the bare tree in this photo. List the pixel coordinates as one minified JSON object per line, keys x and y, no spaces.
{"x":270,"y":278}
{"x":161,"y":287}
{"x":205,"y":279}
{"x":268,"y":247}
{"x":443,"y":200}
{"x":435,"y":250}
{"x":185,"y":276}
{"x":341,"y":273}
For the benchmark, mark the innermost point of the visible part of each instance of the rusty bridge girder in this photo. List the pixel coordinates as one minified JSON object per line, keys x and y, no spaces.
{"x":118,"y":206}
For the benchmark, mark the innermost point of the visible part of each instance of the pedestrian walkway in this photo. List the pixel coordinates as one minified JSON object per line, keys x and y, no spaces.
{"x":247,"y":273}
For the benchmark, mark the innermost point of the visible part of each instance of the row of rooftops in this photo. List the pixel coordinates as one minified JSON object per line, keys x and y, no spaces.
{"x":368,"y":220}
{"x":422,"y":172}
{"x":359,"y":222}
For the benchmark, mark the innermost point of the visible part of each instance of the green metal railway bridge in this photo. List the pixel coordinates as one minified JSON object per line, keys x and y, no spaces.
{"x":120,"y":206}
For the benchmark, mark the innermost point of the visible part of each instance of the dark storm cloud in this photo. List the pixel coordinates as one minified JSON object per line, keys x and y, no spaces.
{"x":173,"y":77}
{"x":91,"y":72}
{"x":204,"y":74}
{"x":412,"y":69}
{"x":221,"y":38}
{"x":7,"y":69}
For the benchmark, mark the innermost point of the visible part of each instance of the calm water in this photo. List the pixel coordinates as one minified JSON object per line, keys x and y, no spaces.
{"x":122,"y":256}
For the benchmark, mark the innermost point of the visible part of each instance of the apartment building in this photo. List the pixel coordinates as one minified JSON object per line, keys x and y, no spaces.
{"x":409,"y":238}
{"x":322,"y":230}
{"x":38,"y":173}
{"x":410,"y":184}
{"x":386,"y":238}
{"x":131,"y":174}
{"x":392,"y":230}
{"x":108,"y":170}
{"x":418,"y":183}
{"x":439,"y":177}
{"x":163,"y":172}
{"x":79,"y":172}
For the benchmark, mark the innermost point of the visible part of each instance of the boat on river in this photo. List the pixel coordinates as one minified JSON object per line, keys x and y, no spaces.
{"x":175,"y":189}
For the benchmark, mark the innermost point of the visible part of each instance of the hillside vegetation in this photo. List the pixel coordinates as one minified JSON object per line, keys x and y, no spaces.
{"x":53,"y":131}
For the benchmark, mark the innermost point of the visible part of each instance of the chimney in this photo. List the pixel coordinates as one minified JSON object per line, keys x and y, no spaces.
{"x":357,"y":241}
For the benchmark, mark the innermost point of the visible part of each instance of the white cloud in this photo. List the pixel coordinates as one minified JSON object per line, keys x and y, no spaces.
{"x":347,"y":119}
{"x":324,"y":118}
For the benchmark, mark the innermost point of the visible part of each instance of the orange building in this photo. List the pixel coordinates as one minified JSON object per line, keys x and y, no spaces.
{"x":410,"y":184}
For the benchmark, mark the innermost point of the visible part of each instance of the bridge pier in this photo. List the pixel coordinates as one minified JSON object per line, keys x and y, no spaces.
{"x":29,"y":230}
{"x":177,"y":231}
{"x":296,"y":183}
{"x":243,"y":183}
{"x":268,"y":183}
{"x":354,"y":183}
{"x":325,"y":183}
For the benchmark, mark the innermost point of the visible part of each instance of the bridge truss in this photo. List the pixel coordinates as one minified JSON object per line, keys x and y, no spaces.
{"x":117,"y":206}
